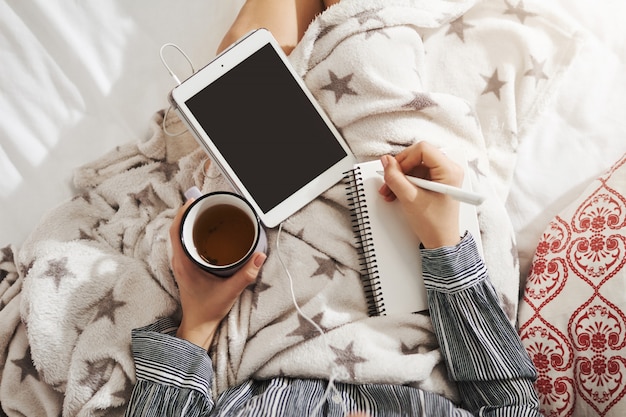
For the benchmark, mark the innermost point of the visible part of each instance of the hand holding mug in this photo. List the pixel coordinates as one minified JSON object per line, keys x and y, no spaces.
{"x":205,"y":297}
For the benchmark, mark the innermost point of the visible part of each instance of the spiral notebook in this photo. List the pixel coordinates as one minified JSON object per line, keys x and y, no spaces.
{"x":389,"y":250}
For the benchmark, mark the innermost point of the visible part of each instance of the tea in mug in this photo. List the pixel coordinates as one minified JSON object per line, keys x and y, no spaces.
{"x":223,"y":234}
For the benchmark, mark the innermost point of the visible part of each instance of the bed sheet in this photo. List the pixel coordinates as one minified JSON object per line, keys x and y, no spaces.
{"x":79,"y":78}
{"x":581,"y":134}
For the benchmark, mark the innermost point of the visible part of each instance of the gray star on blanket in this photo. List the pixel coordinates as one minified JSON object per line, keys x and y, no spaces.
{"x":473,"y":165}
{"x":7,"y":254}
{"x":347,"y":358}
{"x":258,"y":288}
{"x":339,"y":86}
{"x":96,"y":374}
{"x":536,"y":71}
{"x":518,"y":10}
{"x":167,"y":168}
{"x":57,"y":270}
{"x":26,"y":268}
{"x":509,"y":307}
{"x":368,"y":15}
{"x":377,"y":31}
{"x":494,"y":84}
{"x":458,"y":27}
{"x":78,"y":330}
{"x":124,"y":392}
{"x":306,"y":329}
{"x":137,"y":165}
{"x":399,"y":145}
{"x":324,"y":30}
{"x":144,"y":197}
{"x":419,"y":102}
{"x":84,"y":196}
{"x":406,"y":350}
{"x":26,"y":365}
{"x":514,"y":252}
{"x":107,"y":306}
{"x":326,"y":266}
{"x":84,"y":235}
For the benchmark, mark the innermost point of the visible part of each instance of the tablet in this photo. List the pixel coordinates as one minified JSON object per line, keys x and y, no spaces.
{"x":255,"y":117}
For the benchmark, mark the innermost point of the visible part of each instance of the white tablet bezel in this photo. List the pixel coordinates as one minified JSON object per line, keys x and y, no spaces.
{"x":213,"y":71}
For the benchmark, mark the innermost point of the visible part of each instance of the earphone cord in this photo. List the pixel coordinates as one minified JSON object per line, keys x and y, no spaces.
{"x":331,"y":390}
{"x":177,"y":80}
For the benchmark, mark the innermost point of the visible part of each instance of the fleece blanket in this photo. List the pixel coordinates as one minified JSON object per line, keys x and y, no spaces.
{"x":388,"y":73}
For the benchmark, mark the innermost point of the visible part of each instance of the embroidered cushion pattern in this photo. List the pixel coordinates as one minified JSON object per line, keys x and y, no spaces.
{"x":571,"y":318}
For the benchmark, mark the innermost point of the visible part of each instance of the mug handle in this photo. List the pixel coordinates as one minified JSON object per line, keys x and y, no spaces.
{"x":193,"y":193}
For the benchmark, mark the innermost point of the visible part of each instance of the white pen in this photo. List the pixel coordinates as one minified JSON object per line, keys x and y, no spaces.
{"x":454,"y":192}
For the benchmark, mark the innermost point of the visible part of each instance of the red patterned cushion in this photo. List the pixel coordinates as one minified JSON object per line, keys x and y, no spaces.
{"x":572,"y":317}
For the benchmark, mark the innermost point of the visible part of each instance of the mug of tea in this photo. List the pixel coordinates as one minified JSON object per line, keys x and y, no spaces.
{"x":220,"y":231}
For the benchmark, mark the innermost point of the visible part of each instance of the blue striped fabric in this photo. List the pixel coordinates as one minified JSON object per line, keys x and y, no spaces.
{"x":482,"y":350}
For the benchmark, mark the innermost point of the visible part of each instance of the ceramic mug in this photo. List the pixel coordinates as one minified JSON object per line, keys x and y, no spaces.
{"x":220,"y":231}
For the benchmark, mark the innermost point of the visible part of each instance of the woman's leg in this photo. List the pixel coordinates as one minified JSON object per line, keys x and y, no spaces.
{"x":286,"y":19}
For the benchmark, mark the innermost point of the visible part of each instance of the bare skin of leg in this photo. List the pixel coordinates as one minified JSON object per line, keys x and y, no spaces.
{"x":286,"y":19}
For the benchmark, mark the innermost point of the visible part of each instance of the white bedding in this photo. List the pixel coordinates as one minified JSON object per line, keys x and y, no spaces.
{"x":582,"y":133}
{"x":79,"y":78}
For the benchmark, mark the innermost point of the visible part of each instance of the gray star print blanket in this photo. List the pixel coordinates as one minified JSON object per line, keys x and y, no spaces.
{"x":389,"y":73}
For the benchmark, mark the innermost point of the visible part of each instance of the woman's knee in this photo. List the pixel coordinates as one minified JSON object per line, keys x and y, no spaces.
{"x":286,"y":19}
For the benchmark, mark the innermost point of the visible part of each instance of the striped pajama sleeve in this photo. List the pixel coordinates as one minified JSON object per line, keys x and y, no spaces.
{"x":173,"y":375}
{"x":483,"y":352}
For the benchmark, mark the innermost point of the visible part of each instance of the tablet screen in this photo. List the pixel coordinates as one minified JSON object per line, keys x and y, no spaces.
{"x":266,"y":128}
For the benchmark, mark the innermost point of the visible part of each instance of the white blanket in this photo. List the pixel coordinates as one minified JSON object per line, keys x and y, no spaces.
{"x":388,"y":73}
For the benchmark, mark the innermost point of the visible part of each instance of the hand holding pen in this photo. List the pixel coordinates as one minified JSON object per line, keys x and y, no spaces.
{"x":432,"y":215}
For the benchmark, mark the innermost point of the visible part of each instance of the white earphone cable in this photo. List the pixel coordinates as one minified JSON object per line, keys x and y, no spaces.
{"x":176,"y":79}
{"x":335,"y":372}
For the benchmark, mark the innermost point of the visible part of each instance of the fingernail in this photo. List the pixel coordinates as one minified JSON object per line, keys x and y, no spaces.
{"x":259,"y":260}
{"x":384,"y":161}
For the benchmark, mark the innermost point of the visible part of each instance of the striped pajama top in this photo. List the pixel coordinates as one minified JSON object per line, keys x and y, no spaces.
{"x":483,"y":354}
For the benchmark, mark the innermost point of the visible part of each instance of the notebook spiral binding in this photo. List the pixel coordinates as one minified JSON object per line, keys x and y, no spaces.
{"x":365,"y":244}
